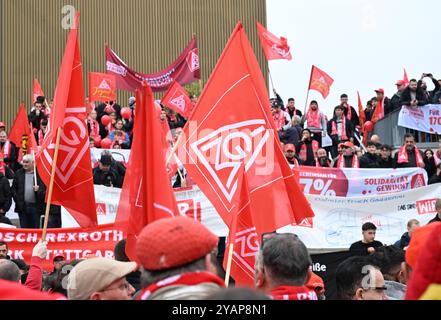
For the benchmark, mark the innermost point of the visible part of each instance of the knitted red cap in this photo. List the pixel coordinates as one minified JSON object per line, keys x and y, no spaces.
{"x":173,"y":242}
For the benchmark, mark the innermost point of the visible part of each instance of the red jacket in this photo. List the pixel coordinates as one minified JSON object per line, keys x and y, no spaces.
{"x":34,"y":280}
{"x":15,"y":291}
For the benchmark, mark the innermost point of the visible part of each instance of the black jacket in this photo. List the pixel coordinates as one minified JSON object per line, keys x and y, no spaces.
{"x":369,"y":161}
{"x":385,"y":164}
{"x":291,"y":135}
{"x":435,"y":179}
{"x":18,"y":192}
{"x":406,"y":98}
{"x":387,"y":107}
{"x":349,"y":131}
{"x":36,"y":120}
{"x":11,"y":160}
{"x":354,"y":116}
{"x":179,"y":123}
{"x":395,"y":102}
{"x":5,"y":194}
{"x":435,"y":219}
{"x":348,"y":161}
{"x":310,"y":158}
{"x":404,"y":241}
{"x":411,"y":157}
{"x":359,"y":248}
{"x":109,"y":178}
{"x":430,"y":166}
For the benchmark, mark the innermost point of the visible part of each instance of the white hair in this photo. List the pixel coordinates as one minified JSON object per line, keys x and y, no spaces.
{"x":28,"y":158}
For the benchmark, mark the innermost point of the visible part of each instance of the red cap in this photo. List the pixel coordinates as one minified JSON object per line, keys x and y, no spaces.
{"x":173,"y":242}
{"x":400,"y":83}
{"x":380,"y":90}
{"x":2,"y":124}
{"x":348,"y":144}
{"x":315,"y":283}
{"x":290,"y":147}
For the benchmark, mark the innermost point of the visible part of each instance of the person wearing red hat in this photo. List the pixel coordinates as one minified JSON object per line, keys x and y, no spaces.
{"x":385,"y":101}
{"x":395,"y":101}
{"x":282,"y":268}
{"x":178,"y":259}
{"x":348,"y":159}
{"x":340,"y":129}
{"x":290,"y":154}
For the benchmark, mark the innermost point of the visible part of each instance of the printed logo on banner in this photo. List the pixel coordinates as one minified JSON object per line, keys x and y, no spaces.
{"x":246,"y":249}
{"x":193,"y":60}
{"x":104,"y":85}
{"x":190,"y":208}
{"x":417,"y":181}
{"x":179,"y":102}
{"x":426,"y":206}
{"x":307,"y":223}
{"x":101,"y":209}
{"x":226,"y":165}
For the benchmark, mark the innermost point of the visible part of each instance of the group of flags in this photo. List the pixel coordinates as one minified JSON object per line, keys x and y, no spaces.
{"x":234,"y":155}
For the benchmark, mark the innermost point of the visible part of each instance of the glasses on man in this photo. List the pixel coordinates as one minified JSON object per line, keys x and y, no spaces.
{"x":124,"y":286}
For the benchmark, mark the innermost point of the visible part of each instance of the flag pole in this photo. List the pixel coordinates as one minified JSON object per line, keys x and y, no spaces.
{"x":35,"y":169}
{"x":307,"y":94}
{"x":271,"y":78}
{"x":51,"y":184}
{"x":173,"y":150}
{"x":229,"y":261}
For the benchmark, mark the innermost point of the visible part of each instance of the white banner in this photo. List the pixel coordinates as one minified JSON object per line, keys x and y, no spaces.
{"x":352,"y":182}
{"x":336,"y":225}
{"x":425,"y":119}
{"x":337,"y":222}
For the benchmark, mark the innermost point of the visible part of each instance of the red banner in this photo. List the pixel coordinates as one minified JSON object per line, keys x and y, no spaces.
{"x":184,"y":70}
{"x":72,"y":243}
{"x":102,"y":87}
{"x":320,"y":81}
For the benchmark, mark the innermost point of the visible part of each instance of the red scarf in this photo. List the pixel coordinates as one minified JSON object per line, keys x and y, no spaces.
{"x":313,"y":118}
{"x":343,"y":128}
{"x":342,"y":163}
{"x":188,"y":279}
{"x":94,"y":128}
{"x":437,"y":158}
{"x":293,"y":293}
{"x":403,"y":157}
{"x":2,"y":165}
{"x":6,"y":150}
{"x":303,"y":155}
{"x":279,"y":119}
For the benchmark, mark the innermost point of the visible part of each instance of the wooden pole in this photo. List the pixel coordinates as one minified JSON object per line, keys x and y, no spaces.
{"x":35,"y":168}
{"x":173,"y":150}
{"x":271,"y":78}
{"x":51,"y":185}
{"x":229,"y":261}
{"x":307,"y":94}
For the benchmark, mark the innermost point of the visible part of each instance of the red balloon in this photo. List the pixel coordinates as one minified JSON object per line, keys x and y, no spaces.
{"x":97,"y":141}
{"x":105,"y":120}
{"x":106,"y":143}
{"x":368,"y":126}
{"x":126,"y":113}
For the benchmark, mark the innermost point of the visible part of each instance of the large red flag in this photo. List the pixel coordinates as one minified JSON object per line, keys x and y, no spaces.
{"x":405,"y":77}
{"x":320,"y":81}
{"x":73,"y":182}
{"x":361,"y":114}
{"x":37,"y":91}
{"x":230,"y":125}
{"x":146,"y":195}
{"x":178,"y":100}
{"x":378,"y":112}
{"x":102,"y":87}
{"x":20,"y":127}
{"x":273,"y":46}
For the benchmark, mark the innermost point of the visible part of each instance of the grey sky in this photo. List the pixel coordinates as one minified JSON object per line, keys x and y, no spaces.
{"x":362,"y":44}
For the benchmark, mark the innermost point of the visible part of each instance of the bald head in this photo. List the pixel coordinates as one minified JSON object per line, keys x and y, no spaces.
{"x":9,"y":271}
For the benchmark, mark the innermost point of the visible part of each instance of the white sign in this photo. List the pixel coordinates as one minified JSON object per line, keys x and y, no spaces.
{"x":425,"y":119}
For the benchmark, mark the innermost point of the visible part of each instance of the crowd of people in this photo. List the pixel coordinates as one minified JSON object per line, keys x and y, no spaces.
{"x":179,"y":258}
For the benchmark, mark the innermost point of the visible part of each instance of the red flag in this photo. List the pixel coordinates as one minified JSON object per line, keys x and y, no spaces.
{"x":73,"y":184}
{"x":20,"y":127}
{"x":37,"y":91}
{"x":146,"y":195}
{"x":273,"y":46}
{"x":361,"y":114}
{"x":320,"y":81}
{"x":178,"y":100}
{"x":32,"y":142}
{"x":378,"y":112}
{"x":405,"y":78}
{"x":102,"y":87}
{"x":227,"y":136}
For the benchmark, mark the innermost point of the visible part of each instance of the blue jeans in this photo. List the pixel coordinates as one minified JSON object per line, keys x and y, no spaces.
{"x":31,"y":218}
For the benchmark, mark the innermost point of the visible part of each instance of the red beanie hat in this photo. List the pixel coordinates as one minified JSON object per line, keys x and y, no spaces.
{"x":173,"y":242}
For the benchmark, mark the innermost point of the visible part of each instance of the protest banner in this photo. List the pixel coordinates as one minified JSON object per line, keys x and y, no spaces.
{"x":352,"y":182}
{"x":425,"y":119}
{"x":72,"y":243}
{"x":185,"y":69}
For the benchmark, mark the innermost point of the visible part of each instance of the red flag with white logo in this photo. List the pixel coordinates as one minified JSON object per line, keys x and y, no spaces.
{"x":146,"y":195}
{"x":320,"y":81}
{"x":230,"y":125}
{"x":102,"y":87}
{"x":73,"y":182}
{"x":274,"y":47}
{"x":178,"y":100}
{"x":37,"y":92}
